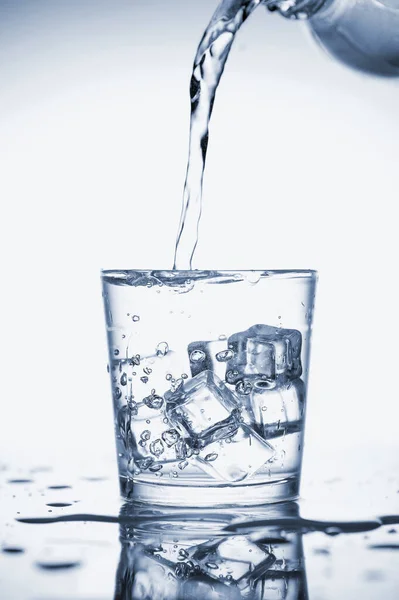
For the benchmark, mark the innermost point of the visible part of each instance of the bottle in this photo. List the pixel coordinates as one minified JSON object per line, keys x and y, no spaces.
{"x":363,"y":34}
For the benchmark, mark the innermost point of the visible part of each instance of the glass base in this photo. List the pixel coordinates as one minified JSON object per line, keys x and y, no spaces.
{"x":210,"y":497}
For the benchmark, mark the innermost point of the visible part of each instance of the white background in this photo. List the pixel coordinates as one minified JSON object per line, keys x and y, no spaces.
{"x":302,"y":173}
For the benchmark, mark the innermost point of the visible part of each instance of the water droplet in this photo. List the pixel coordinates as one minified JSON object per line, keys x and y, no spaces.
{"x":135,"y":318}
{"x":156,"y":448}
{"x":107,"y":368}
{"x":148,"y":421}
{"x":13,"y":550}
{"x":183,"y":554}
{"x":197,"y":356}
{"x":184,"y":376}
{"x":165,"y":420}
{"x":162,"y":349}
{"x":183,"y":464}
{"x":136,"y":360}
{"x":222,"y":337}
{"x":212,"y":566}
{"x":145,"y":435}
{"x":211,"y":457}
{"x":144,"y":379}
{"x":224,"y":355}
{"x":116,"y":352}
{"x":264,"y":408}
{"x":56,"y":566}
{"x":117,"y":393}
{"x":168,"y":376}
{"x":123,"y":379}
{"x":147,"y":370}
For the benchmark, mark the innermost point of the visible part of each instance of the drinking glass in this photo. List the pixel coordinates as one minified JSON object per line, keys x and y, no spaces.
{"x":209,"y":374}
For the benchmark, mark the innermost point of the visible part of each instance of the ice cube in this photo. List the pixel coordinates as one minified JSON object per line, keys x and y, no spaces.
{"x":284,"y":585}
{"x":232,"y":559}
{"x":152,"y":443}
{"x":279,"y":411}
{"x":236,"y":457}
{"x":265,"y":354}
{"x":203,"y":587}
{"x":148,"y":576}
{"x":206,"y":356}
{"x":203,"y":409}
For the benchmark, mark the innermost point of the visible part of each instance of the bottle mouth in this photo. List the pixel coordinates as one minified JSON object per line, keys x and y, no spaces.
{"x":295,"y":9}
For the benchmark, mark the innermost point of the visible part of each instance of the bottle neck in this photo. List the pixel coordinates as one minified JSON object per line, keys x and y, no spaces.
{"x":296,"y":9}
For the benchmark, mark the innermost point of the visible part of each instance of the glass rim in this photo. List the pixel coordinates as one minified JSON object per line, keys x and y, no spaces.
{"x":302,"y":272}
{"x":176,"y":276}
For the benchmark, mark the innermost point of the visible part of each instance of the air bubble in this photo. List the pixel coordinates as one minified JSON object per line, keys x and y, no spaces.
{"x":211,"y":457}
{"x":156,"y":468}
{"x":162,"y":349}
{"x":197,"y":356}
{"x":224,"y":355}
{"x":156,"y":448}
{"x":153,"y":401}
{"x":244,"y":388}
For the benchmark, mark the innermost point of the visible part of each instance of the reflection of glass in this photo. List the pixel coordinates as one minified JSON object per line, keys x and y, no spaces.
{"x":209,"y":373}
{"x":189,"y":556}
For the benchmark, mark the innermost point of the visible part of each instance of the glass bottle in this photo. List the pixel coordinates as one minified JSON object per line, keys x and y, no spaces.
{"x":363,"y":34}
